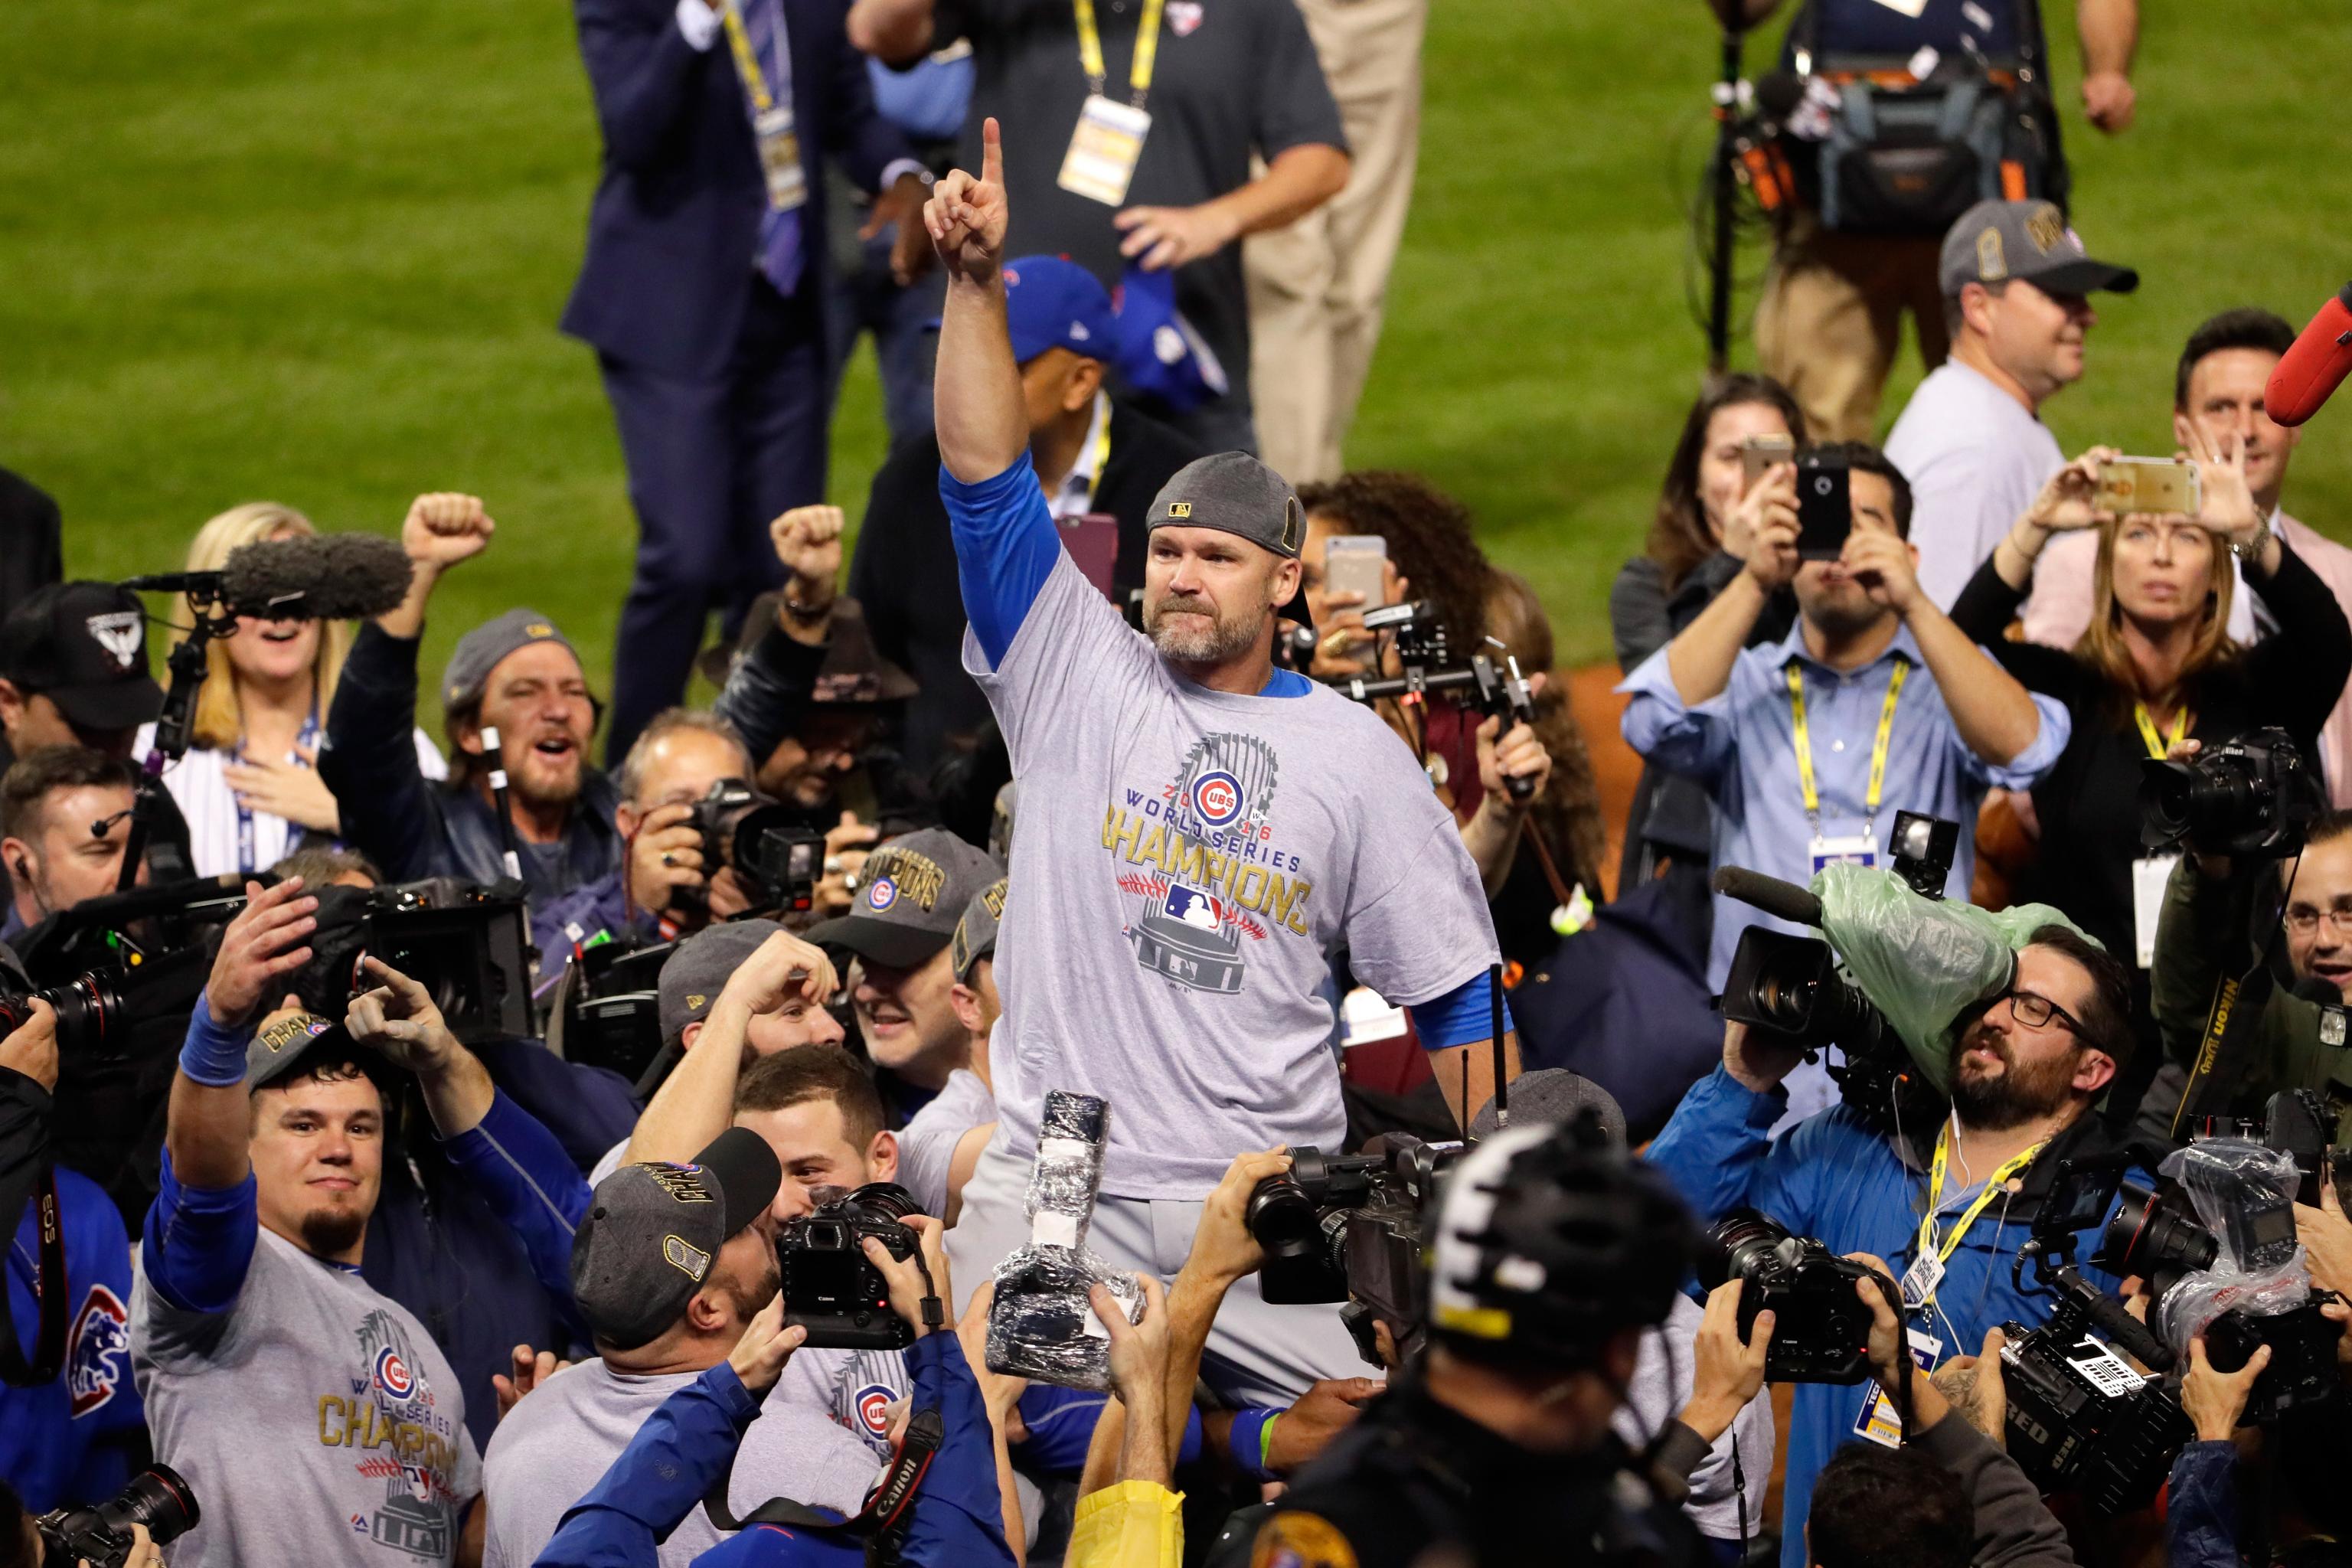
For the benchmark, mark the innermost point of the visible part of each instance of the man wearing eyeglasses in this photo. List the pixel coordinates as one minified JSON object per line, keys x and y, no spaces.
{"x":1946,"y":1205}
{"x":2292,"y":1038}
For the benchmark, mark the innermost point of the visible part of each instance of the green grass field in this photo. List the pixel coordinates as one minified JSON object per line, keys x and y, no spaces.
{"x":315,"y":252}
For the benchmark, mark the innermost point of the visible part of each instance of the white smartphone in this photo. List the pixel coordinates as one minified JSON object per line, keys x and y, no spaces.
{"x":1355,"y":563}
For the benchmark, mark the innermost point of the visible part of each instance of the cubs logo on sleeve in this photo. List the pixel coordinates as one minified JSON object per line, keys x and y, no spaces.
{"x":96,"y":1351}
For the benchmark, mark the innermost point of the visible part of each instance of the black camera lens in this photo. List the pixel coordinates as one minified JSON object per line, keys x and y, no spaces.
{"x":1279,"y":1214}
{"x":1735,"y":1245}
{"x":883,"y":1200}
{"x":156,"y":1497}
{"x":2149,"y":1234}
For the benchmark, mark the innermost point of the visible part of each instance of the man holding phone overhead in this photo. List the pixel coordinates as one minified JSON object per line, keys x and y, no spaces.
{"x":1874,"y":703}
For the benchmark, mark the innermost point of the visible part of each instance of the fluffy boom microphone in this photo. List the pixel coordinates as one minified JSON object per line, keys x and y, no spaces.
{"x":2301,"y":381}
{"x":327,"y":577}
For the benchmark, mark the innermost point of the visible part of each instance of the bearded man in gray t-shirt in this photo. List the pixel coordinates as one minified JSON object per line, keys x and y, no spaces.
{"x":1199,"y":830}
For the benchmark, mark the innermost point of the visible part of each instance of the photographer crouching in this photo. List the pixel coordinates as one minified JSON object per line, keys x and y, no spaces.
{"x":1950,"y":1208}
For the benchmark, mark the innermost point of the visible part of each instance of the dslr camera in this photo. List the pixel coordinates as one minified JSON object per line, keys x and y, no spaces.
{"x":100,"y":1536}
{"x":830,"y":1287}
{"x":1348,"y":1227}
{"x":1820,"y":1327}
{"x":2254,"y":795}
{"x":776,"y":858}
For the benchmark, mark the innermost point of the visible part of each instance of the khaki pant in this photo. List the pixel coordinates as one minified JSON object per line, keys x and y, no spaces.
{"x":1317,"y":288}
{"x":1831,"y":319}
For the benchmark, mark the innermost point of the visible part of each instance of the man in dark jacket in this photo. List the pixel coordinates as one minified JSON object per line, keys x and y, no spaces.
{"x":514,"y":676}
{"x":1094,"y":456}
{"x":702,"y":289}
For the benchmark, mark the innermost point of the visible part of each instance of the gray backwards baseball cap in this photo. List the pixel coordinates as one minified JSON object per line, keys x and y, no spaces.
{"x":286,"y":1040}
{"x":1234,"y":493}
{"x":910,"y":894}
{"x":653,"y":1231}
{"x":694,"y":974}
{"x":975,"y":934}
{"x":480,"y":650}
{"x":1996,"y":241}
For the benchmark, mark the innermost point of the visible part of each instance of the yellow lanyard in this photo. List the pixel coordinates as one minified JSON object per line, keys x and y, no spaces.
{"x":747,"y":64}
{"x":1877,"y":747}
{"x":2159,"y":746}
{"x":1146,"y":48}
{"x":1996,"y":1184}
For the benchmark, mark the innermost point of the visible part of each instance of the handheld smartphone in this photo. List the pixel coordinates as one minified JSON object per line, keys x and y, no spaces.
{"x":1759,"y":453}
{"x":2165,"y":487}
{"x":1824,"y":510}
{"x":1357,"y":564}
{"x":1093,"y":544}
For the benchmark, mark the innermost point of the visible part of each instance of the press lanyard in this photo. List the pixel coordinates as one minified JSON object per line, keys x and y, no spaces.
{"x":1993,"y":1184}
{"x":1877,"y":748}
{"x":1098,"y":450}
{"x":1146,"y":48}
{"x":747,"y":64}
{"x":2160,"y":746}
{"x":245,"y":850}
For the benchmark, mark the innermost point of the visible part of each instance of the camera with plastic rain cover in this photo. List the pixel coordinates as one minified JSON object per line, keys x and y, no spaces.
{"x":100,"y":1536}
{"x":830,"y":1287}
{"x":775,"y":856}
{"x":1348,"y":1227}
{"x":2080,"y":1417}
{"x":2254,"y":795}
{"x":1820,"y":1325}
{"x":2216,"y":1242}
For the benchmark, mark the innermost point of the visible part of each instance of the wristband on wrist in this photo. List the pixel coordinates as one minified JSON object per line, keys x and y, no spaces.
{"x":213,"y":1053}
{"x":1249,"y":1441}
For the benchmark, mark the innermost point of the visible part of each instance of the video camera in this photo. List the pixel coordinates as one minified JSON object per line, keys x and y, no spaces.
{"x":1420,"y":641}
{"x":468,"y":945}
{"x":2253,"y":795}
{"x":610,"y":1007}
{"x":101,"y":1537}
{"x":1821,"y":1328}
{"x":114,"y":962}
{"x":776,"y":858}
{"x":1349,"y":1227}
{"x":2080,"y":1417}
{"x":830,"y":1286}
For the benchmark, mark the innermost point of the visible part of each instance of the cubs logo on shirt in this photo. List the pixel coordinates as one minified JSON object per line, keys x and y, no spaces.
{"x":392,"y":1375}
{"x":1217,"y":796}
{"x":873,"y":1407}
{"x":98,"y":1352}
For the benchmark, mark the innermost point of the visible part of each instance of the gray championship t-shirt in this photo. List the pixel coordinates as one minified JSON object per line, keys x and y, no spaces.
{"x":1186,"y":859}
{"x":315,"y":1420}
{"x":927,"y":1143}
{"x":854,"y":1388}
{"x":557,"y":1444}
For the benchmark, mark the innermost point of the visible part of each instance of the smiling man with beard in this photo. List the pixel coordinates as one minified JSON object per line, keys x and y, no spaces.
{"x":1946,"y":1205}
{"x":516,"y":674}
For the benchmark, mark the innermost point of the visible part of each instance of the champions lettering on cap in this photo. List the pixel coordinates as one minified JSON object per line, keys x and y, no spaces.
{"x":912,"y":893}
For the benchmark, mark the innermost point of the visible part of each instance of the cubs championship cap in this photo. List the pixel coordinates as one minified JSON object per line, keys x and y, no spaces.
{"x":1233,"y":493}
{"x":910,"y":894}
{"x":975,"y":934}
{"x":480,"y":650}
{"x":1051,"y":302}
{"x":1995,"y":241}
{"x":654,"y":1230}
{"x":84,"y":647}
{"x":285,"y":1040}
{"x":693,"y":975}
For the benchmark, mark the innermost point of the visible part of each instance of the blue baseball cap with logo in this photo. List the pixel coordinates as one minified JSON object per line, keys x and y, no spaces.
{"x":1052,"y":302}
{"x":1161,"y":355}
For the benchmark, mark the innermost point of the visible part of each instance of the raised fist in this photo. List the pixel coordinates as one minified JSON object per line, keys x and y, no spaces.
{"x":967,"y":217}
{"x":443,"y":528}
{"x":808,"y":542}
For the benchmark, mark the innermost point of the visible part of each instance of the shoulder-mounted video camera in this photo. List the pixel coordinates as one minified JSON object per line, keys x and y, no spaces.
{"x":1349,"y":1227}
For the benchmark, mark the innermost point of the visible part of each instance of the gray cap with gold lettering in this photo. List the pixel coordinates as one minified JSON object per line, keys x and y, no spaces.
{"x":653,"y":1233}
{"x":910,"y":894}
{"x":1996,"y":241}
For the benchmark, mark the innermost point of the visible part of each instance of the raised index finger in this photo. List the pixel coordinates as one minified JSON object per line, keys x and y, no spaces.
{"x":992,"y":151}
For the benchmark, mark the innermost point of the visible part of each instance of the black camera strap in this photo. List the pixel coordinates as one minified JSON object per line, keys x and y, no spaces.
{"x":49,"y":1285}
{"x":885,"y":1511}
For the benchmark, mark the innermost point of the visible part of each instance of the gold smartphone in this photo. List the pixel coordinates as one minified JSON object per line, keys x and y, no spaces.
{"x":2165,"y":487}
{"x":1759,"y":453}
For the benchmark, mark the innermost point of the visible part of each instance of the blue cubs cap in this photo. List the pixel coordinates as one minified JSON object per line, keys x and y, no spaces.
{"x":1160,"y":353}
{"x":1051,"y":302}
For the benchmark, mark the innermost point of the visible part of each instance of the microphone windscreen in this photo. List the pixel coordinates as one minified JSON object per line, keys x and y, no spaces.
{"x":1552,"y":1095}
{"x":2314,"y":364}
{"x":326,"y":577}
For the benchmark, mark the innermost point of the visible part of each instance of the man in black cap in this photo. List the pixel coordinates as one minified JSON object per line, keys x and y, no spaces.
{"x":1199,"y":830}
{"x":912,"y":893}
{"x":73,"y":671}
{"x":671,"y":1262}
{"x":515,"y":677}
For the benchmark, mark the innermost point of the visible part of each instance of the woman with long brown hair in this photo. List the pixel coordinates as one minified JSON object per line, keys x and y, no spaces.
{"x":2155,"y":666}
{"x":1707,"y":515}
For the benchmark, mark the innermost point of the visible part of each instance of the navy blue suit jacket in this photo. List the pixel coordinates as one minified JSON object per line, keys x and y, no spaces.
{"x":677,"y":214}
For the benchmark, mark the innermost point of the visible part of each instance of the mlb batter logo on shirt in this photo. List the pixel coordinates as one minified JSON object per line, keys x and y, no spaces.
{"x":98,"y":1348}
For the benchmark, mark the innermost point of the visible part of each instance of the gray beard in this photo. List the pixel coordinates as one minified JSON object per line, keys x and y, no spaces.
{"x":1223,"y":641}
